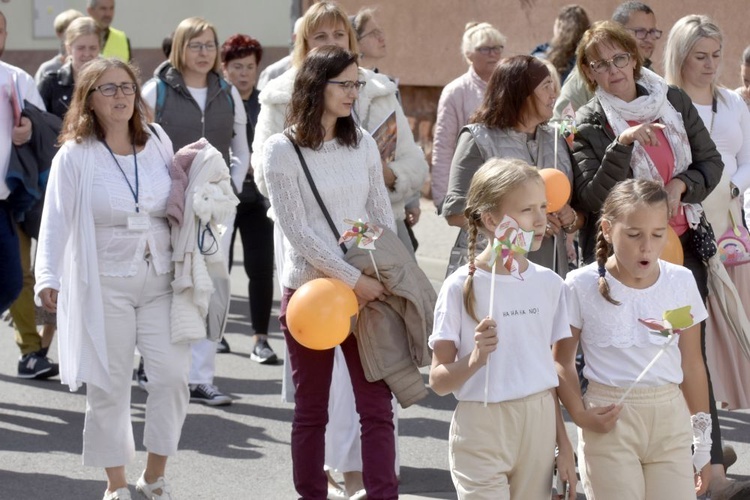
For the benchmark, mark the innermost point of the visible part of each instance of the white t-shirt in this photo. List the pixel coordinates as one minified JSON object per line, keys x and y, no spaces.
{"x":531,"y":315}
{"x":616,"y":346}
{"x":28,"y":91}
{"x":731,"y":133}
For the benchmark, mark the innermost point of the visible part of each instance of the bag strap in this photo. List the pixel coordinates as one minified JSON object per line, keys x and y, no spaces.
{"x":317,"y":195}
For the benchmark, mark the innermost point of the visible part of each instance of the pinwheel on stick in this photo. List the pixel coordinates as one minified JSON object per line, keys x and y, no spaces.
{"x":508,"y":242}
{"x":365,"y":235}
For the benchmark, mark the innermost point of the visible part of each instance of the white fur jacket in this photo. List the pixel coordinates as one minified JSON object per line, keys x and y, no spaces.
{"x":377,"y":100}
{"x":200,"y":201}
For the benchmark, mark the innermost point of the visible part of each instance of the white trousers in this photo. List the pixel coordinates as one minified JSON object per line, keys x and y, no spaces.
{"x":203,"y":363}
{"x":136,"y":313}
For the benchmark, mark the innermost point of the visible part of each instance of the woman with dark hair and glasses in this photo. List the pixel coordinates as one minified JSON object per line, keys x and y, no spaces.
{"x":344,"y":162}
{"x":104,"y":264}
{"x":191,"y":100}
{"x":240,"y":57}
{"x":511,"y":122}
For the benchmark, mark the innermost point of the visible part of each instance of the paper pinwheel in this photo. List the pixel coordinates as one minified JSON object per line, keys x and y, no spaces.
{"x":510,"y":240}
{"x":674,"y":322}
{"x":365,"y":235}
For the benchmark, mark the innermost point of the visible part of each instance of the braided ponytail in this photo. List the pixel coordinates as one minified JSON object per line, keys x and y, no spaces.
{"x":469,"y":301}
{"x":602,"y":253}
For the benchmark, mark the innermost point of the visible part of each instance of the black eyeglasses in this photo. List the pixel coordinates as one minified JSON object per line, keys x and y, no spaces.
{"x":497,"y":49}
{"x":642,"y":33}
{"x":110,"y":89}
{"x":602,"y":65}
{"x":348,"y":85}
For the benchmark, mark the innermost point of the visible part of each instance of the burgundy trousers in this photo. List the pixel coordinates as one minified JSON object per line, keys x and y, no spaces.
{"x":311,"y":374}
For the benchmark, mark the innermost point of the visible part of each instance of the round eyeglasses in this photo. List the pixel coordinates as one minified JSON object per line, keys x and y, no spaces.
{"x":602,"y":65}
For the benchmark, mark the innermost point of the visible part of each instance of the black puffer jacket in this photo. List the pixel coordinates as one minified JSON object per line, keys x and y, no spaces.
{"x":56,"y":89}
{"x":601,"y":162}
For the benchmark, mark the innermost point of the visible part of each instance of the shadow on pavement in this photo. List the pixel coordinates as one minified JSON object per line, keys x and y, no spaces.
{"x":424,"y":481}
{"x":17,"y":485}
{"x":33,"y":429}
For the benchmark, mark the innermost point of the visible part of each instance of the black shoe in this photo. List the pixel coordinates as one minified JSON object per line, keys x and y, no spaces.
{"x":222,"y":346}
{"x":140,"y":376}
{"x":263,"y":354}
{"x":34,"y":365}
{"x":208,"y":395}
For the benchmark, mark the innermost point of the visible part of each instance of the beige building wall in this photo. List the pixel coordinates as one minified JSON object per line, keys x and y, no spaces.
{"x":424,"y":36}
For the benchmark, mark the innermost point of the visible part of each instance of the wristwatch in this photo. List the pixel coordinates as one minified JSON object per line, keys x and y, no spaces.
{"x":734,"y":190}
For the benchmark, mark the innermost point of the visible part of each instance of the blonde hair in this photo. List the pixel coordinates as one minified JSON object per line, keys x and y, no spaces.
{"x":620,"y":202}
{"x":187,"y":30}
{"x":476,"y":34}
{"x":489,"y":185}
{"x":683,"y":36}
{"x":64,"y":18}
{"x":321,"y":14}
{"x":82,"y":26}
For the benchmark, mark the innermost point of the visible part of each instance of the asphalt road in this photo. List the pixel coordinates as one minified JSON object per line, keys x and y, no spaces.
{"x":239,"y":451}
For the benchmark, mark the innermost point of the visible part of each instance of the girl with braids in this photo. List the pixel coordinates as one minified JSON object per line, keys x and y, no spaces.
{"x":639,"y":449}
{"x":504,"y":450}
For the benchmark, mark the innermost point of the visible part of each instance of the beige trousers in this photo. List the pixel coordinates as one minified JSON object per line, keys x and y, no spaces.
{"x":647,"y":455}
{"x":504,"y":451}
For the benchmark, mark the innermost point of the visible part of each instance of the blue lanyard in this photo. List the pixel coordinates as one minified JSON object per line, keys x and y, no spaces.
{"x":135,"y":160}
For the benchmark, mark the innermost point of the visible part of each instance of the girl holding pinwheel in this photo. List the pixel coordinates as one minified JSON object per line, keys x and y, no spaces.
{"x":637,"y":320}
{"x":500,"y":367}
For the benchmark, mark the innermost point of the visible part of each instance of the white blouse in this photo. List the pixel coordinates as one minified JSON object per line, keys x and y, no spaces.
{"x":120,"y":249}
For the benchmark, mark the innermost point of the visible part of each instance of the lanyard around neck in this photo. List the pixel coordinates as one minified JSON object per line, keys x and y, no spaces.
{"x":135,"y":191}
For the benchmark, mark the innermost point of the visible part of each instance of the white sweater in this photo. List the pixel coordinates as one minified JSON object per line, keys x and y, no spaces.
{"x":376,"y":102}
{"x":350,"y":182}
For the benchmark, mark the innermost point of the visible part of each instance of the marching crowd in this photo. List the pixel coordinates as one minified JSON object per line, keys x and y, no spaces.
{"x":120,"y":201}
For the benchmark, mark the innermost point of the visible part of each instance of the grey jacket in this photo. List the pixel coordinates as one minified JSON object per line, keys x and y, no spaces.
{"x":601,"y":161}
{"x":478,"y":143}
{"x":392,"y":334}
{"x":182,"y":119}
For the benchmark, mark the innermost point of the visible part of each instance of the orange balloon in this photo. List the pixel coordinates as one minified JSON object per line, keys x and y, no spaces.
{"x":557,"y":186}
{"x":673,"y":249}
{"x":322,"y":313}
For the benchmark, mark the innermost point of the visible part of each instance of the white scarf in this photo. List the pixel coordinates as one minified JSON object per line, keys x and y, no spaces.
{"x":647,"y":109}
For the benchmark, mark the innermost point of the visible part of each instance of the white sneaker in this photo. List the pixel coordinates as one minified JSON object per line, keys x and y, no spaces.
{"x":158,"y":490}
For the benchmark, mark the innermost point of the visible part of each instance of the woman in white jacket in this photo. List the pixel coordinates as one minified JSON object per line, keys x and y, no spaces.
{"x":326,"y":23}
{"x":104,"y":264}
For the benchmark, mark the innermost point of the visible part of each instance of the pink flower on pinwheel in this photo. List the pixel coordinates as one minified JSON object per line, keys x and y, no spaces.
{"x":510,"y":240}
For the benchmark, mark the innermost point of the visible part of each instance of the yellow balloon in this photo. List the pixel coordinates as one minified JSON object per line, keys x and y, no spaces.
{"x":673,"y":249}
{"x":322,"y":313}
